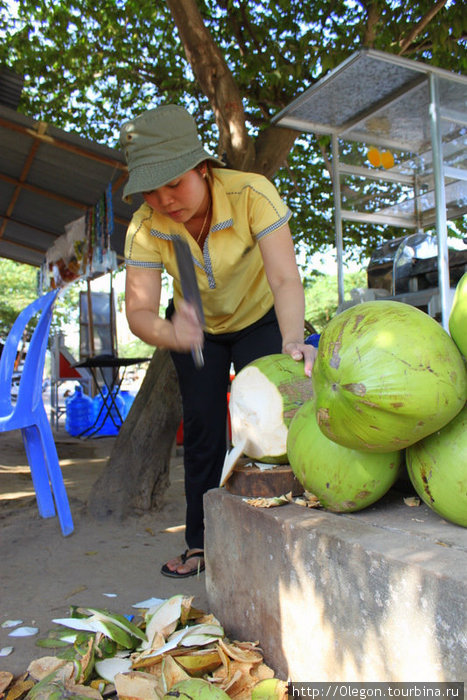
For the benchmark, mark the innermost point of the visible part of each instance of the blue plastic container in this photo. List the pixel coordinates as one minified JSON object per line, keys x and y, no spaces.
{"x":108,"y":423}
{"x":313,"y":339}
{"x":79,"y":412}
{"x":128,"y":398}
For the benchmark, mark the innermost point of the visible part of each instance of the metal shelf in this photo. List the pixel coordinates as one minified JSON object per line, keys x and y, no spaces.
{"x":414,"y":110}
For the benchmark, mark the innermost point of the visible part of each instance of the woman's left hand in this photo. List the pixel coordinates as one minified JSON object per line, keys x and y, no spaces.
{"x":301,"y":351}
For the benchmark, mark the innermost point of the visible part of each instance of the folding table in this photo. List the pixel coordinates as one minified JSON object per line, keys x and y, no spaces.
{"x":112,"y":381}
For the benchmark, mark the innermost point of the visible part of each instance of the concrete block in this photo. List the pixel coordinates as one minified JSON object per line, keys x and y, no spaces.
{"x":378,"y":595}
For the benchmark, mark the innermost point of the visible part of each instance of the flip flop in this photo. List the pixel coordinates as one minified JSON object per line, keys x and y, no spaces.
{"x":184,"y":558}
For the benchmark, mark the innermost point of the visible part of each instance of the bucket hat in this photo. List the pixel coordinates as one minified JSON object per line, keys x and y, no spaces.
{"x":160,"y":145}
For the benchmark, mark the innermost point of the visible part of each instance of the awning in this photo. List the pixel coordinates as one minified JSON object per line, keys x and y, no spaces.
{"x":48,"y":178}
{"x":378,"y":98}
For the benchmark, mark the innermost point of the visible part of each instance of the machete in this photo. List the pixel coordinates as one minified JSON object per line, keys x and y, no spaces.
{"x":190,"y":289}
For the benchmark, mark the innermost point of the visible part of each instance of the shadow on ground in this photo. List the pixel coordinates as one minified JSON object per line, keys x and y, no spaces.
{"x":44,"y":573}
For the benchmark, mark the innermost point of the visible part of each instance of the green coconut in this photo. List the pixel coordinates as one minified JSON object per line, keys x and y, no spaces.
{"x":386,"y":376}
{"x":195,"y":689}
{"x":437,"y":468}
{"x":458,"y":317}
{"x":344,"y":480}
{"x":263,"y":400}
{"x":269,"y":689}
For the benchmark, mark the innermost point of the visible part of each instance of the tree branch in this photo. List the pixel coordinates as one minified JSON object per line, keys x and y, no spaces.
{"x":420,"y":26}
{"x":249,"y":28}
{"x":373,"y":16}
{"x":272,"y":147}
{"x":217,"y":83}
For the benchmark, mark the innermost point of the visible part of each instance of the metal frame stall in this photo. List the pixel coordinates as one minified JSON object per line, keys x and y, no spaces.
{"x":414,"y":111}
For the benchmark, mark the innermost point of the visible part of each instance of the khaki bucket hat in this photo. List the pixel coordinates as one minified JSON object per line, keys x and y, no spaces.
{"x":160,"y":145}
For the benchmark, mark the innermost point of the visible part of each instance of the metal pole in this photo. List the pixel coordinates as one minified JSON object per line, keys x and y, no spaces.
{"x":440,"y":201}
{"x":336,"y":186}
{"x":113,"y":325}
{"x":91,"y":345}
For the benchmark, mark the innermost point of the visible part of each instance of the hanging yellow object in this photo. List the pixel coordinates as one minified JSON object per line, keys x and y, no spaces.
{"x":374,"y":156}
{"x":387,"y":160}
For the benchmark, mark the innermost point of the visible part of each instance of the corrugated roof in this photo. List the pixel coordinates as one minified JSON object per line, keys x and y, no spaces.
{"x":11,"y":87}
{"x":48,"y":178}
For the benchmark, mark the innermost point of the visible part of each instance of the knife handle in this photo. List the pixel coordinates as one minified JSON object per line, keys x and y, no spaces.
{"x":198,"y":357}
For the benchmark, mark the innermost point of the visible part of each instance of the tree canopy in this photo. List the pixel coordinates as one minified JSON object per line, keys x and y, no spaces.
{"x":19,"y":287}
{"x":234,"y":63}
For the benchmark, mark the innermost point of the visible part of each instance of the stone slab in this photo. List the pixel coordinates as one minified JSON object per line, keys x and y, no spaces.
{"x":378,"y":595}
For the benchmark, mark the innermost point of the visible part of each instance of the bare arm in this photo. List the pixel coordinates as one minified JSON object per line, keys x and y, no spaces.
{"x":142,"y":299}
{"x":283,"y":276}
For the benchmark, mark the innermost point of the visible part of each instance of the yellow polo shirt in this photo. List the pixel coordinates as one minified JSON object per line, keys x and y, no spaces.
{"x":230,"y":271}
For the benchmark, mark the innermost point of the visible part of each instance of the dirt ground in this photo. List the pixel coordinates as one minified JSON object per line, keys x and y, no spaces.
{"x":43,"y":573}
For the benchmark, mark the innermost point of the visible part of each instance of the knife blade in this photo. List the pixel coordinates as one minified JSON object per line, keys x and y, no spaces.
{"x":190,"y":289}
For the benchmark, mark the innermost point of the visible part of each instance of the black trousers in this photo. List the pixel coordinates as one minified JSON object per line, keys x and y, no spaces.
{"x":204,"y":397}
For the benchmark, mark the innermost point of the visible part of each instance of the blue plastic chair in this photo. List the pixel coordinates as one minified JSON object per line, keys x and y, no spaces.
{"x":29,"y":415}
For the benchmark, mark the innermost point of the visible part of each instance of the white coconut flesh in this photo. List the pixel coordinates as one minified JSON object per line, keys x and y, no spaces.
{"x":257,"y":415}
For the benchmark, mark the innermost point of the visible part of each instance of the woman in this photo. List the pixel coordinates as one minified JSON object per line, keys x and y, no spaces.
{"x":253,"y":303}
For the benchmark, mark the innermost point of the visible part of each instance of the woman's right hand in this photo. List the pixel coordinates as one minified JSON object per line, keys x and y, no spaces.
{"x":142,"y":298}
{"x":187,"y":328}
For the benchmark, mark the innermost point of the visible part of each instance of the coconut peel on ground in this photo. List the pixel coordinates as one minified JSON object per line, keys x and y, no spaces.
{"x":5,"y":679}
{"x":270,"y":689}
{"x":94,"y":665}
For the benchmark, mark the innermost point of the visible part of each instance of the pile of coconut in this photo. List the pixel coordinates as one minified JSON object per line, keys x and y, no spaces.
{"x":388,"y":391}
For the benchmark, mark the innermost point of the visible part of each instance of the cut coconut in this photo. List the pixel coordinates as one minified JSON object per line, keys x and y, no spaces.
{"x":231,"y":459}
{"x":263,"y":400}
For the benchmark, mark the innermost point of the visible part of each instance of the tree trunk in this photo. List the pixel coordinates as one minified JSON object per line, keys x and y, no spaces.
{"x":137,"y":472}
{"x":217,"y":82}
{"x":213,"y":75}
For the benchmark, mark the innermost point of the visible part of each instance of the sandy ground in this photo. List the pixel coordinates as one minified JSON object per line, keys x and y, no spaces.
{"x":43,"y":573}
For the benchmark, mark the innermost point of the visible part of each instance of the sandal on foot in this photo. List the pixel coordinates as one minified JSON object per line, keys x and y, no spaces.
{"x":184,"y":558}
